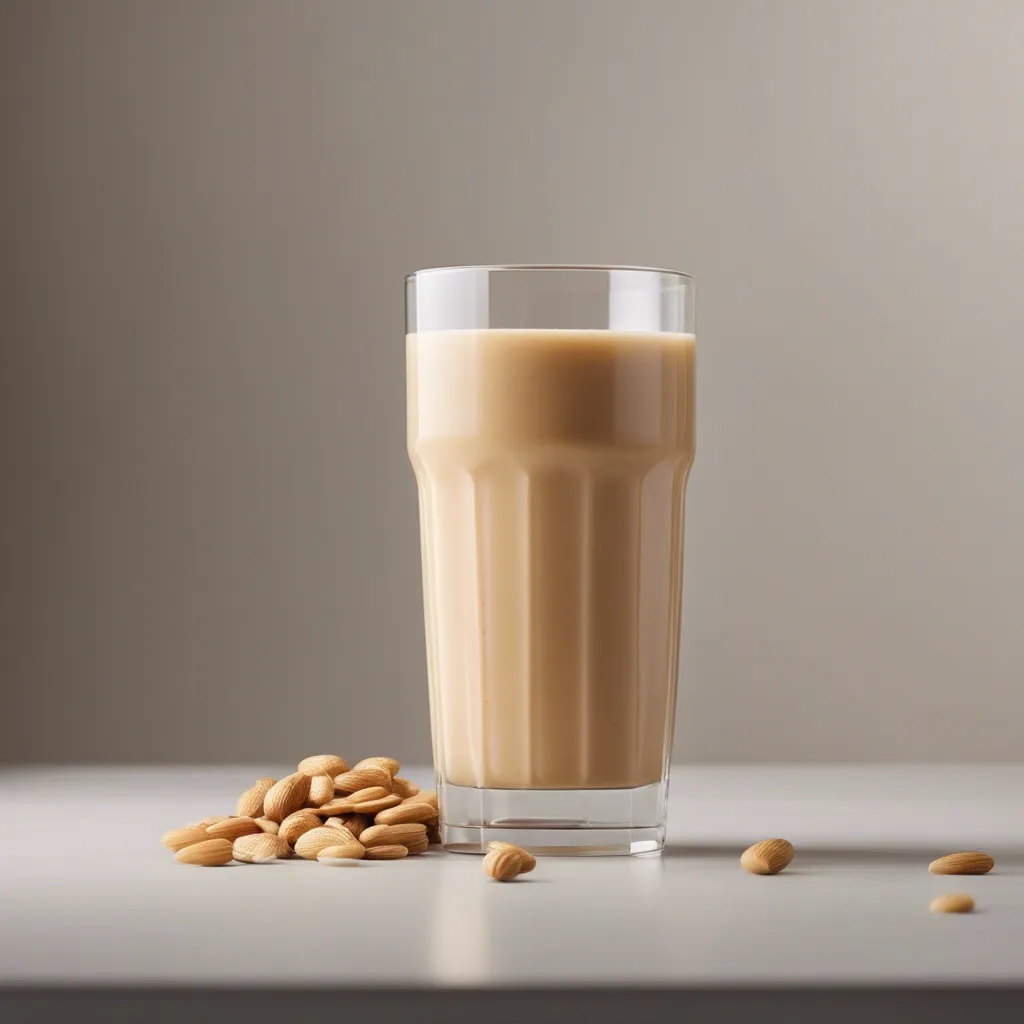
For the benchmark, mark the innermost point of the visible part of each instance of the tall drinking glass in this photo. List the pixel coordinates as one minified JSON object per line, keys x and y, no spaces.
{"x":551,"y":428}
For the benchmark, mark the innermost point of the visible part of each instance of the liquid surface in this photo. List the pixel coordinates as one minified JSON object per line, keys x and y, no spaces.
{"x":552,"y":470}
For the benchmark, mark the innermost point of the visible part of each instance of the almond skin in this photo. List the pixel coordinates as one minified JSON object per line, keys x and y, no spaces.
{"x":389,"y":764}
{"x":373,"y":806}
{"x":310,"y":843}
{"x":178,"y":838}
{"x":323,"y":764}
{"x":767,"y":857}
{"x":250,"y":803}
{"x":266,"y":825}
{"x":973,"y":862}
{"x":392,"y":835}
{"x":210,"y":853}
{"x":528,"y":861}
{"x":356,"y":823}
{"x":363,"y":778}
{"x":232,"y":828}
{"x":424,"y":796}
{"x":502,"y":865}
{"x":952,"y":903}
{"x":344,"y":835}
{"x":387,"y":853}
{"x":261,"y":848}
{"x":286,"y":796}
{"x":345,"y":804}
{"x":405,"y":812}
{"x":321,"y":789}
{"x":296,"y":824}
{"x":343,"y":851}
{"x":418,"y":846}
{"x":404,"y":788}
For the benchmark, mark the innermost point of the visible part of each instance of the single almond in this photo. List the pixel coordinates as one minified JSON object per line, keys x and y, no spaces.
{"x":346,"y":804}
{"x":952,"y":903}
{"x":392,"y":835}
{"x":210,"y":853}
{"x":373,"y":806}
{"x":389,"y":764}
{"x":767,"y":857}
{"x":286,"y":796}
{"x":973,"y":862}
{"x":232,"y":828}
{"x":344,"y":835}
{"x":209,"y":821}
{"x":342,"y":851}
{"x":387,"y":853}
{"x":310,"y":843}
{"x":356,"y":823}
{"x":250,"y":803}
{"x":266,"y":825}
{"x":323,"y":764}
{"x":363,"y":778}
{"x":424,"y":796}
{"x":529,"y":862}
{"x":296,"y":824}
{"x":404,"y":787}
{"x":261,"y":848}
{"x":321,"y":789}
{"x":405,"y":812}
{"x":420,"y":845}
{"x":178,"y":838}
{"x":502,"y":864}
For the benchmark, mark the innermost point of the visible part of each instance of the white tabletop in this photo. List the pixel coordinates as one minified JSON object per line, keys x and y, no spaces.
{"x":90,"y":896}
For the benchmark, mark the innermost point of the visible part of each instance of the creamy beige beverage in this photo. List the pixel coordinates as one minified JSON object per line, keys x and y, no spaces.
{"x":552,"y":470}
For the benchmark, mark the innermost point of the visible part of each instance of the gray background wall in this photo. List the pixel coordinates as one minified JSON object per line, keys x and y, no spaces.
{"x":208,"y":529}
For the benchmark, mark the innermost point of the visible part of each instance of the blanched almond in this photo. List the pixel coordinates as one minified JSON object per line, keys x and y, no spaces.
{"x":286,"y":796}
{"x":323,"y":764}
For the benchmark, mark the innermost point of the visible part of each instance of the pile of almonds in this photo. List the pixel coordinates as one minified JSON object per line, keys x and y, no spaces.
{"x":325,"y":811}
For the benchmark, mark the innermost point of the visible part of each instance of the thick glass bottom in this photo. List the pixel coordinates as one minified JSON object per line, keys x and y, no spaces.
{"x":554,"y":822}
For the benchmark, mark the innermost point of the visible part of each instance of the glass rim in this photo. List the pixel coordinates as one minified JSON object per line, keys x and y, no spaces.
{"x":578,"y":267}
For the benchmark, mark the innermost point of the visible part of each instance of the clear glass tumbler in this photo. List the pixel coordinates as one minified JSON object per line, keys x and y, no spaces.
{"x":551,"y":428}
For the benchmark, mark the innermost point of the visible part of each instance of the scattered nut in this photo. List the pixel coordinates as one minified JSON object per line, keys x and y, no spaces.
{"x":767,"y":857}
{"x":529,"y":862}
{"x":948,"y":903}
{"x":973,"y":862}
{"x":502,"y":864}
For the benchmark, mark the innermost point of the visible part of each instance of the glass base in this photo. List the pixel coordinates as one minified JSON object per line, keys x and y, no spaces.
{"x":554,"y":822}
